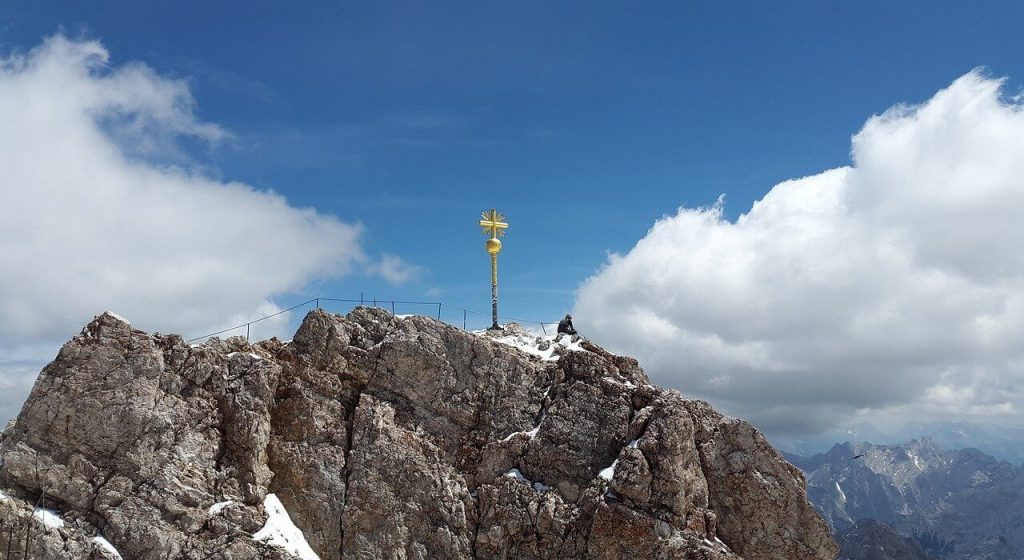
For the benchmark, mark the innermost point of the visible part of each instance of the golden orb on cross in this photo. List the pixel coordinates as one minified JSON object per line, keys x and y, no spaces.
{"x":493,"y":245}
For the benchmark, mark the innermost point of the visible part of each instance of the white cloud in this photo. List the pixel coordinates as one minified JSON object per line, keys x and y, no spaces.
{"x":890,"y":289}
{"x":395,"y":270}
{"x":93,"y":218}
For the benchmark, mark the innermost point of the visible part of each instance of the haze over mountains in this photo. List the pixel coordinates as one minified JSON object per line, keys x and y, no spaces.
{"x":959,"y":504}
{"x":1002,"y":442}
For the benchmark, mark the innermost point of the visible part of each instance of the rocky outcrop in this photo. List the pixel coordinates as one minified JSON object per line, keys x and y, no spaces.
{"x":384,"y":437}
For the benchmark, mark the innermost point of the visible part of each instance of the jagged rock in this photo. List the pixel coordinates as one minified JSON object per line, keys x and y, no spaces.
{"x":23,"y":535}
{"x":389,"y":437}
{"x":751,"y":487}
{"x":403,"y":498}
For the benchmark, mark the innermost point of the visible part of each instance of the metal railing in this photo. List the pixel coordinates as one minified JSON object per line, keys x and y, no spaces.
{"x":388,"y":304}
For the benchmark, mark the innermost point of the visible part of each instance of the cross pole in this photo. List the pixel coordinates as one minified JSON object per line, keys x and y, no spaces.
{"x":493,"y":224}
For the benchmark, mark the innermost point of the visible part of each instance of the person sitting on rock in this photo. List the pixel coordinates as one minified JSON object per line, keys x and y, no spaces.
{"x":565,"y":325}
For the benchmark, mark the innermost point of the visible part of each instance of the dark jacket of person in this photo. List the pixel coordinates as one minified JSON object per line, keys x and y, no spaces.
{"x":565,"y":325}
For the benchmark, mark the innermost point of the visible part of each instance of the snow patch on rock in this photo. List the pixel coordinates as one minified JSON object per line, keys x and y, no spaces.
{"x":219,"y":506}
{"x":518,"y":475}
{"x":608,"y":473}
{"x":250,"y":354}
{"x":281,"y":532}
{"x":105,"y":544}
{"x":49,"y":518}
{"x":531,"y":433}
{"x":547,"y":348}
{"x":118,"y":317}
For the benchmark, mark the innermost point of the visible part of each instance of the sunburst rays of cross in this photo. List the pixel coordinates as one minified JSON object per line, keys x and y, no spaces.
{"x":493,"y":223}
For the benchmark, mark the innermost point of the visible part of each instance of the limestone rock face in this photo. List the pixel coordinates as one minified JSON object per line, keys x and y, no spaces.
{"x":383,"y":437}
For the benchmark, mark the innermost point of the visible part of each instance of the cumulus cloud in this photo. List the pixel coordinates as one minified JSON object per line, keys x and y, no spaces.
{"x":93,"y":217}
{"x":888,"y":289}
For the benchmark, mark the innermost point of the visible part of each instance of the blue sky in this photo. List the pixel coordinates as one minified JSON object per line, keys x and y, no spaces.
{"x":142,"y":138}
{"x":582,"y":122}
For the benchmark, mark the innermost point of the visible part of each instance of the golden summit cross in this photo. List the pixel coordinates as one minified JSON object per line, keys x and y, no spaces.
{"x":493,"y":224}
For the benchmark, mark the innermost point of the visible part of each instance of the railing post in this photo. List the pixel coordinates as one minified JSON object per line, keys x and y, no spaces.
{"x":463,"y":319}
{"x":247,"y":331}
{"x":392,"y":307}
{"x":438,"y":311}
{"x":28,"y":537}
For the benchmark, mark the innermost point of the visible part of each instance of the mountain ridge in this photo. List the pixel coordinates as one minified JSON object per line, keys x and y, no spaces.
{"x":959,"y":504}
{"x":1002,"y":442}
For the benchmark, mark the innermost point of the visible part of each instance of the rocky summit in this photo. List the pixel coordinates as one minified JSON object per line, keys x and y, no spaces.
{"x":375,"y":436}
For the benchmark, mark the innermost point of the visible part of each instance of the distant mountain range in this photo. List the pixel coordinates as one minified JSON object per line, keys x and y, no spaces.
{"x":961,"y":504}
{"x":871,"y":540}
{"x":1000,"y":442}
